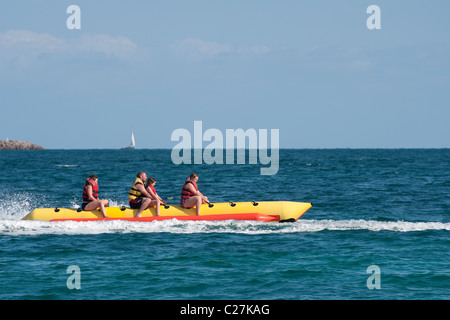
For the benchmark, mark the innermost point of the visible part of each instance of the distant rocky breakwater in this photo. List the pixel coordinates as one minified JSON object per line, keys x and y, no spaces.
{"x":18,"y":145}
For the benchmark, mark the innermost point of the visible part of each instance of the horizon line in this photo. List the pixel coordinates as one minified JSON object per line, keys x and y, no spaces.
{"x":285,"y":148}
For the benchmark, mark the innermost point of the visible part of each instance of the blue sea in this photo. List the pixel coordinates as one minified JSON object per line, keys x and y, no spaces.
{"x":379,"y":228}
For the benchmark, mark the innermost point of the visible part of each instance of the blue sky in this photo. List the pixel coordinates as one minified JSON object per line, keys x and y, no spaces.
{"x":311,"y":69}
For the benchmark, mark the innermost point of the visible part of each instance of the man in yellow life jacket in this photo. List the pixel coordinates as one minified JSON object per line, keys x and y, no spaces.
{"x":138,"y":197}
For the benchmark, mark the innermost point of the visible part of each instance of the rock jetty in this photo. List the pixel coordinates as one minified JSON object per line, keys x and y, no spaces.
{"x":18,"y":145}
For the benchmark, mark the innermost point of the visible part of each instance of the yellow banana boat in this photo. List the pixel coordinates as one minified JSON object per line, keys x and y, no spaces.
{"x":282,"y":211}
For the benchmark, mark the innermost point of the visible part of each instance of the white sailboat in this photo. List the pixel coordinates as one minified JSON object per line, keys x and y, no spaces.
{"x":133,"y":144}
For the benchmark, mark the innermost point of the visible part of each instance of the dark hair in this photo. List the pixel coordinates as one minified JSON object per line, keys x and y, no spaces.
{"x":93,"y":177}
{"x":139,"y":173}
{"x":193,"y":175}
{"x":150,"y":181}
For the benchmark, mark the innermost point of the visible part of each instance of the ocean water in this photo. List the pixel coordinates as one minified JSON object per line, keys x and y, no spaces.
{"x":374,"y":208}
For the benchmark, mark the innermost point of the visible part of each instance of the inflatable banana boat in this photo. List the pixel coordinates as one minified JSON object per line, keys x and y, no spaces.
{"x":281,"y":211}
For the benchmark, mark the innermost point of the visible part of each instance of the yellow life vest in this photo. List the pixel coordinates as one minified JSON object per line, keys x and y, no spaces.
{"x":135,"y":193}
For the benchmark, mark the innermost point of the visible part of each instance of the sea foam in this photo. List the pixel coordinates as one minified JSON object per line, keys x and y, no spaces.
{"x":18,"y":228}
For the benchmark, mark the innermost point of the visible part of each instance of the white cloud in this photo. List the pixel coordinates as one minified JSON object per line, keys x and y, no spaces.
{"x":25,"y":46}
{"x":112,"y":46}
{"x":195,"y":49}
{"x":336,"y":58}
{"x":260,"y":49}
{"x":26,"y":40}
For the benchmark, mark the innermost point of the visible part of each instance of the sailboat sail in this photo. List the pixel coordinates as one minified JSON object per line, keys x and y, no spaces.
{"x":133,"y":144}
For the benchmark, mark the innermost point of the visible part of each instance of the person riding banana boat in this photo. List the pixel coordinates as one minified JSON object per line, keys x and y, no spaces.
{"x":90,"y":196}
{"x":191,"y":196}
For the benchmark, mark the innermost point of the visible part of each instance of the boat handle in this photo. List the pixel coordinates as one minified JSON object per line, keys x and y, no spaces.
{"x":255,"y":203}
{"x":122,"y":208}
{"x":232,"y":204}
{"x":57,"y":210}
